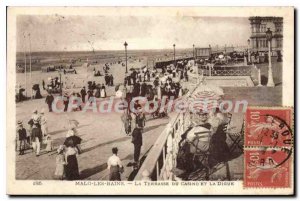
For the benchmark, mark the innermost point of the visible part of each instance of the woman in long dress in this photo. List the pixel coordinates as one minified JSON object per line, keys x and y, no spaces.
{"x":72,"y":136}
{"x":72,"y":170}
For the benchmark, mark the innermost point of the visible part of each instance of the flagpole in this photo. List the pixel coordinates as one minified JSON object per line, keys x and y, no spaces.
{"x":30,"y":64}
{"x":25,"y":65}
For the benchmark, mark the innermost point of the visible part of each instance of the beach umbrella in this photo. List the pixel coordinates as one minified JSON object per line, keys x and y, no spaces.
{"x":208,"y":87}
{"x":204,"y":100}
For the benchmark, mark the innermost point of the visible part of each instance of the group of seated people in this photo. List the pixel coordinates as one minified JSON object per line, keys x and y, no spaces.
{"x":203,"y":144}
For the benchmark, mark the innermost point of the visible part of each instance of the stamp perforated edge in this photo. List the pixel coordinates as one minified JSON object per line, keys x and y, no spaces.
{"x":291,"y":167}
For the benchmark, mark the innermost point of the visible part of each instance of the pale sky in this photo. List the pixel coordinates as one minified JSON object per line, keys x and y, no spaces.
{"x":83,"y":33}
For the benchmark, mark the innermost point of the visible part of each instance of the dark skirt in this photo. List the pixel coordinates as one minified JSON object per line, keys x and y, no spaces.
{"x":219,"y":150}
{"x":114,"y":174}
{"x":72,"y":171}
{"x":36,"y":133}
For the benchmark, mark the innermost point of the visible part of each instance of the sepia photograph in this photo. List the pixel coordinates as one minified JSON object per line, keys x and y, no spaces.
{"x":151,"y":97}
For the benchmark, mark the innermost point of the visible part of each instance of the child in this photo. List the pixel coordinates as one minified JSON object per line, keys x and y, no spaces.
{"x":22,"y":137}
{"x":49,"y":146}
{"x":60,"y":163}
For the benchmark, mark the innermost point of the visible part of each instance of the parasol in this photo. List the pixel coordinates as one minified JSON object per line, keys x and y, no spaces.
{"x":204,"y":100}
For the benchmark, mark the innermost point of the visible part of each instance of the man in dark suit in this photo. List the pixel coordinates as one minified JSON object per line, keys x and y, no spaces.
{"x":137,"y":140}
{"x":83,"y":94}
{"x":49,"y":100}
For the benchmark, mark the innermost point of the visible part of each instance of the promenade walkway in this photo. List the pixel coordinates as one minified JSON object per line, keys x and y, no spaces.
{"x":100,"y":132}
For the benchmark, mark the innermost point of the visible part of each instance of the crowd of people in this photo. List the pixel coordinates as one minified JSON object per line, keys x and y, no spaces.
{"x":152,"y":85}
{"x":36,"y":135}
{"x":138,"y":83}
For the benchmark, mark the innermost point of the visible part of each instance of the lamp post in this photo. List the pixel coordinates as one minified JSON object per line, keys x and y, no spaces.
{"x":60,"y":83}
{"x":125,"y":44}
{"x":249,"y":58}
{"x":174,"y":53}
{"x":270,"y":71}
{"x":259,"y":75}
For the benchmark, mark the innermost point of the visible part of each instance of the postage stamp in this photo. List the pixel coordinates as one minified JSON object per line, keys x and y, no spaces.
{"x":268,"y":127}
{"x":268,"y":168}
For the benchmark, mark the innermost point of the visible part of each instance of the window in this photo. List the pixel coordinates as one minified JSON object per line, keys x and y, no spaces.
{"x":262,"y":28}
{"x":279,"y":42}
{"x":257,"y":28}
{"x":278,"y":27}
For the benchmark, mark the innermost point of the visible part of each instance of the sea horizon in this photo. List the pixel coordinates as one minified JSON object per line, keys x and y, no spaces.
{"x":94,"y":51}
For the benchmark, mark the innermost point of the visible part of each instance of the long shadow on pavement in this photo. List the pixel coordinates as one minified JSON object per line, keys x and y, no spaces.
{"x":91,"y":171}
{"x":99,"y":168}
{"x":65,"y":130}
{"x":106,"y":143}
{"x":147,"y":129}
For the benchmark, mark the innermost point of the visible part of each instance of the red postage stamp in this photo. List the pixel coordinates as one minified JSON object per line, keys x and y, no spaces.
{"x":268,"y":168}
{"x":268,"y":127}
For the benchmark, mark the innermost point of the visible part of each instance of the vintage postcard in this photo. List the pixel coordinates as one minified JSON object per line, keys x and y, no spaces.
{"x":150,"y":101}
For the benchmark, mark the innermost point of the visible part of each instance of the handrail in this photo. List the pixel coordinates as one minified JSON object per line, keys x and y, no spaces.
{"x":151,"y":161}
{"x":149,"y":164}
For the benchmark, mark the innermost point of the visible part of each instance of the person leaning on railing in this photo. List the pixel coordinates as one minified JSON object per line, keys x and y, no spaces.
{"x":137,"y":140}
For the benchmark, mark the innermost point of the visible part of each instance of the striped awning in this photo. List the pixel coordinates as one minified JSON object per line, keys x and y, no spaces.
{"x":204,"y":100}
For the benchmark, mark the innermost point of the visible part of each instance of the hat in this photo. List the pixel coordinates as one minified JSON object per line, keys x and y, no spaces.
{"x":34,"y":111}
{"x":114,"y":150}
{"x":20,"y":122}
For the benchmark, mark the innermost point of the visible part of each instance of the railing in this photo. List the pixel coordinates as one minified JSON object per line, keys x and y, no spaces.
{"x":162,"y":158}
{"x":162,"y":64}
{"x":226,"y":70}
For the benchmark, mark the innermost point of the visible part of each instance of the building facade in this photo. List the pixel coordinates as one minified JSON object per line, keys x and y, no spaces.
{"x":259,"y":26}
